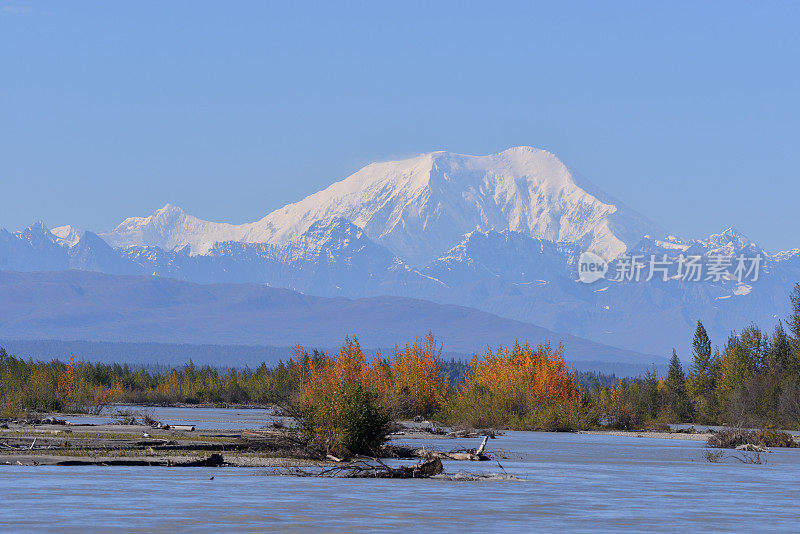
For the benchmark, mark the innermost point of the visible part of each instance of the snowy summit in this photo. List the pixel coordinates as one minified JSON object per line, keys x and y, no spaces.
{"x":421,"y":207}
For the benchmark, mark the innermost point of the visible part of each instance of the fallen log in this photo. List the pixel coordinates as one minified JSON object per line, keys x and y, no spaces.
{"x":469,"y":455}
{"x":363,"y":469}
{"x":424,"y":469}
{"x":457,"y":456}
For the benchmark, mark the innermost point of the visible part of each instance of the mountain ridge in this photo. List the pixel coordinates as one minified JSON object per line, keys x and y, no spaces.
{"x":420,"y":207}
{"x":81,"y":305}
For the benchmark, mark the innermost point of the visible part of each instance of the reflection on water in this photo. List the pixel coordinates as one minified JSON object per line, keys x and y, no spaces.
{"x":570,"y":483}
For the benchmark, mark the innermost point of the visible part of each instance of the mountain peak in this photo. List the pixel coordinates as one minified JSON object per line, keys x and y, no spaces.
{"x":37,"y":227}
{"x":37,"y":233}
{"x":169,"y":209}
{"x":167,"y":212}
{"x":420,"y":207}
{"x":171,"y":228}
{"x":730,"y":237}
{"x":731,"y":232}
{"x":67,"y":235}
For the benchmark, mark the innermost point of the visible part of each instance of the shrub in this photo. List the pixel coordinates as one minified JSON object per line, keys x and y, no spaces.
{"x":521,"y":388}
{"x":338,"y":403}
{"x":364,"y":424}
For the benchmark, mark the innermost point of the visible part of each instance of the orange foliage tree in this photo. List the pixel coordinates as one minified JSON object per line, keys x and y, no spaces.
{"x":417,"y":382}
{"x":66,"y":382}
{"x":338,"y":400}
{"x":523,"y":387}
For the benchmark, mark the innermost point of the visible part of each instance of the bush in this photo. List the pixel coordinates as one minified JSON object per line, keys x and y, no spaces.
{"x":475,"y":407}
{"x":558,"y":418}
{"x":347,"y":422}
{"x":774,"y":438}
{"x":339,"y":404}
{"x":524,"y":388}
{"x":418,"y":385}
{"x":364,"y":425}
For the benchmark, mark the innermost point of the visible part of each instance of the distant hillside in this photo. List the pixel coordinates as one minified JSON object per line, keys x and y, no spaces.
{"x":77,"y":305}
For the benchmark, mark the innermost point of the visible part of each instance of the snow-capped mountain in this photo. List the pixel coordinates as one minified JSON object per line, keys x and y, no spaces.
{"x":331,"y":258}
{"x":729,"y":241}
{"x":170,"y":228}
{"x":501,"y":233}
{"x":421,"y":207}
{"x":66,"y":235}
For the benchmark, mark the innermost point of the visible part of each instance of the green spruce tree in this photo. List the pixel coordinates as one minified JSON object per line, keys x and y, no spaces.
{"x":704,"y":370}
{"x":676,"y":386}
{"x":779,"y":353}
{"x":794,"y":328}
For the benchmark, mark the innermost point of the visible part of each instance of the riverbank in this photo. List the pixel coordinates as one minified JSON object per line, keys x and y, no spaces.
{"x":61,"y":443}
{"x":211,"y":436}
{"x":55,"y":440}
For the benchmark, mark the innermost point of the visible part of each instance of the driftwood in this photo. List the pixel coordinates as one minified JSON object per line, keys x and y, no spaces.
{"x":479,"y":450}
{"x":469,"y":455}
{"x":750,"y":447}
{"x":424,"y":469}
{"x":375,"y":468}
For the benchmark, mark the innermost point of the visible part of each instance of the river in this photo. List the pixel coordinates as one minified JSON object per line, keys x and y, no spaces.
{"x":564,"y":483}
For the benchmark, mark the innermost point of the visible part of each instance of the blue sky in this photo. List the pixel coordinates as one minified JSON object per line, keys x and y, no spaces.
{"x":686,"y":111}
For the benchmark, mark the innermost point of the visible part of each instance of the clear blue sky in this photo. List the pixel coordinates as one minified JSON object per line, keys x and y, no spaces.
{"x":686,"y":111}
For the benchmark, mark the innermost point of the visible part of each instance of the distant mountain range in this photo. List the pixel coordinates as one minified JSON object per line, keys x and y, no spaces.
{"x":78,"y":305}
{"x":499,"y":233}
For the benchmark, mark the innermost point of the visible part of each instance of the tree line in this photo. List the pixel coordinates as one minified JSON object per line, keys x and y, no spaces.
{"x":752,"y":379}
